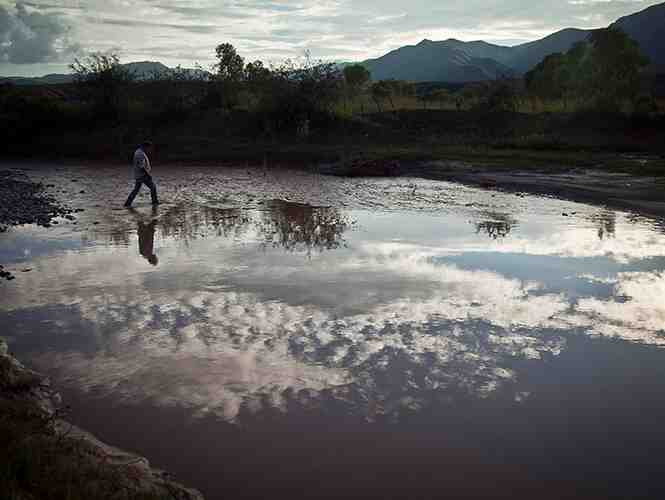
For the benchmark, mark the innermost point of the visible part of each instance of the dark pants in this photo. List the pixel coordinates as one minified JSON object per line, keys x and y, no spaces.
{"x":147,"y":180}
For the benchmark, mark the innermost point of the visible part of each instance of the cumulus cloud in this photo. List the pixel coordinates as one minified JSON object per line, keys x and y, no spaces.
{"x":29,"y":36}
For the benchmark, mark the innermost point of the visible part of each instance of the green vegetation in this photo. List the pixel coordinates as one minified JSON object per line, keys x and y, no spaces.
{"x":602,"y":73}
{"x":594,"y":100}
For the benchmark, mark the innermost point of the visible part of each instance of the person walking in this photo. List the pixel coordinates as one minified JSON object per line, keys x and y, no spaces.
{"x":143,"y":173}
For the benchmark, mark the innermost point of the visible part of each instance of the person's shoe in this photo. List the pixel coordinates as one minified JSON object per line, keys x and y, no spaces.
{"x":127,"y":206}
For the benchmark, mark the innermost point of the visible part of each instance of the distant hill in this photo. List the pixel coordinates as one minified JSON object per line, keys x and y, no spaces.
{"x":457,"y":62}
{"x":53,"y":79}
{"x":142,"y":70}
{"x":436,"y":61}
{"x":526,"y":56}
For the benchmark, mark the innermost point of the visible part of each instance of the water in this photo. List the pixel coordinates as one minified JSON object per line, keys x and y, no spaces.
{"x":269,"y":333}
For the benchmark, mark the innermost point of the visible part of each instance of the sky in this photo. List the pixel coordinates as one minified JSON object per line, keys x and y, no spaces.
{"x":44,"y":36}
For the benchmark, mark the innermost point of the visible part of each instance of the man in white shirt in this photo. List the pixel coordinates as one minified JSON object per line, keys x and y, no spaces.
{"x":142,"y":173}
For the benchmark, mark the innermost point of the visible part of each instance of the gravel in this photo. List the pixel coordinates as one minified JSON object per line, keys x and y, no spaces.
{"x":25,"y":202}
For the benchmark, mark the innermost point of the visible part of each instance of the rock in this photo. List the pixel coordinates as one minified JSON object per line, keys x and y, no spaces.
{"x":132,"y":473}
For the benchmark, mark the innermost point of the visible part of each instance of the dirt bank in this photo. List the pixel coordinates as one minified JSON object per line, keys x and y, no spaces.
{"x":44,"y":456}
{"x":643,"y":194}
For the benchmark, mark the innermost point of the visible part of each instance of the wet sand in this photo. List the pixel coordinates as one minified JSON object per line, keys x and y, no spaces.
{"x":641,"y":194}
{"x":645,"y":195}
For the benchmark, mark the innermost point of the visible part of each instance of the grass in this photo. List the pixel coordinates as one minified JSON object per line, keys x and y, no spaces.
{"x":539,"y":135}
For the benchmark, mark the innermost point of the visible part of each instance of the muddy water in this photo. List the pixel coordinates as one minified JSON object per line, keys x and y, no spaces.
{"x":282,"y":333}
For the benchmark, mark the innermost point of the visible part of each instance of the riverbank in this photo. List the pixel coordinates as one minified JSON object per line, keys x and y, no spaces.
{"x":617,"y":181}
{"x":624,"y":183}
{"x":46,"y":457}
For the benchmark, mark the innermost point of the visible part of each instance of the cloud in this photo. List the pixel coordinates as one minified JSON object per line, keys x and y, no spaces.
{"x":188,"y":30}
{"x":28,"y":36}
{"x":245,"y":331}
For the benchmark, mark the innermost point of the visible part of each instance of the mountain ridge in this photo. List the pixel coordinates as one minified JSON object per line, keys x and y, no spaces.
{"x":142,"y":70}
{"x":456,"y":61}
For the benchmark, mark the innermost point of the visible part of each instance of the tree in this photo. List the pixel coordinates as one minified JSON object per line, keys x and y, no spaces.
{"x":502,"y":97}
{"x":230,"y":65}
{"x":616,"y":65}
{"x":382,"y":90}
{"x":230,"y":71}
{"x":301,"y":92}
{"x":604,"y":70}
{"x":356,"y":78}
{"x":257,"y":79}
{"x":442,"y":96}
{"x":256,"y":73}
{"x":102,"y":79}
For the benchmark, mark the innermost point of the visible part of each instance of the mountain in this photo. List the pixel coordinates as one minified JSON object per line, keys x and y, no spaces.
{"x":526,"y":56}
{"x":436,"y":61}
{"x":457,"y":62}
{"x":142,"y":70}
{"x":52,"y":79}
{"x":648,"y":29}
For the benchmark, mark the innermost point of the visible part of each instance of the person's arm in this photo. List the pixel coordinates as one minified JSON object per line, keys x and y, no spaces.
{"x":146,"y":164}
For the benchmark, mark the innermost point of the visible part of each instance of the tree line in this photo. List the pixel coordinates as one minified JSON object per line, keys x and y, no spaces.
{"x":605,"y":72}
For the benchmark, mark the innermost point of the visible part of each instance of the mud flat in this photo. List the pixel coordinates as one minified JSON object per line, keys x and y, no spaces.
{"x":620,"y":190}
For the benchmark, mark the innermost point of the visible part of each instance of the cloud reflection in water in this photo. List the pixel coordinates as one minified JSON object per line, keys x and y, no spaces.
{"x":239,"y":323}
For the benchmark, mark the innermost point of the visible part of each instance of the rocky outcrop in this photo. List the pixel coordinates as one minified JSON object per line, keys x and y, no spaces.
{"x":27,"y":401}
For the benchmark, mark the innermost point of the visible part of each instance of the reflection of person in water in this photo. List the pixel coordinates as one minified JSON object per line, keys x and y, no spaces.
{"x":147,"y":241}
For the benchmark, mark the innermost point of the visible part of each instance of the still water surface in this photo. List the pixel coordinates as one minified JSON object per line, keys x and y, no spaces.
{"x":290,"y":334}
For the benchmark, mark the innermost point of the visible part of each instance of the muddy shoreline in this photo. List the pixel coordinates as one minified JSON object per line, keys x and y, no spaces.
{"x":643,"y":195}
{"x":623,"y":191}
{"x":27,"y":398}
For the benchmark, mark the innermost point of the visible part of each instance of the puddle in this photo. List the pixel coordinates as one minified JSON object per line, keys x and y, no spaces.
{"x":293,"y":329}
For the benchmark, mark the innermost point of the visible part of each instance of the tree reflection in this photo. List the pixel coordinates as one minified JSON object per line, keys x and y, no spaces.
{"x":186,"y":224}
{"x":300,"y":227}
{"x":496,"y":226}
{"x":294,"y":227}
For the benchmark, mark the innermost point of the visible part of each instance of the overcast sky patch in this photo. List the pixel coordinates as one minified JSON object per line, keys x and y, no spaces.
{"x":43,"y":36}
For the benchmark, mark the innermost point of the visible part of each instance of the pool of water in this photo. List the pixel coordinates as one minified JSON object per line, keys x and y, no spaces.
{"x":268,"y":332}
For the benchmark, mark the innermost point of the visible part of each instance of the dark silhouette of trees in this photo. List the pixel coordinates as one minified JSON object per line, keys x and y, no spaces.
{"x":300,"y":93}
{"x":616,"y":64}
{"x":356,"y":78}
{"x":381,"y":91}
{"x":230,"y":72}
{"x":604,"y":71}
{"x":230,"y":66}
{"x":102,"y":79}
